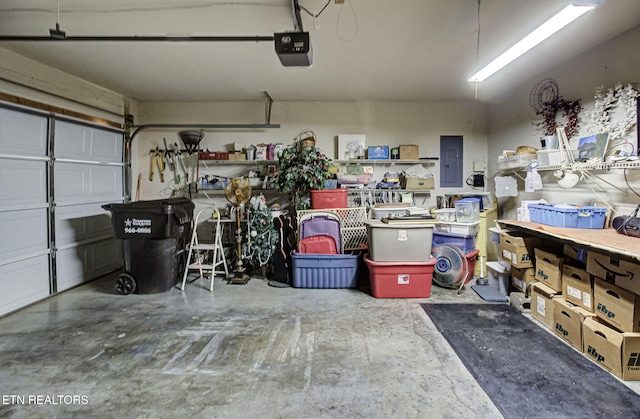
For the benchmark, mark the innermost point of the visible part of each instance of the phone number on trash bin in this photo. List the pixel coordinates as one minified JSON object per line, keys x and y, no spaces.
{"x":138,"y":230}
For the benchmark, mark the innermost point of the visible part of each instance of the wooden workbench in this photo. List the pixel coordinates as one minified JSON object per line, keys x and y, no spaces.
{"x":605,"y":240}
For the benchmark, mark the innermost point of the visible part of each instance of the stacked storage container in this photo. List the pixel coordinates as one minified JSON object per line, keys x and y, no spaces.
{"x":399,"y":260}
{"x":326,"y":237}
{"x":458,"y":226}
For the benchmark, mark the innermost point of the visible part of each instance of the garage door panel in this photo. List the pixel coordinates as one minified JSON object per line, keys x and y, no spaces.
{"x":72,"y":141}
{"x":71,"y":182}
{"x":81,"y":222}
{"x":73,"y":267}
{"x":23,"y":232}
{"x":80,"y":142}
{"x":106,"y":181}
{"x":22,"y":183}
{"x":23,"y":282}
{"x":22,"y":133}
{"x":106,"y":146}
{"x":107,"y":257}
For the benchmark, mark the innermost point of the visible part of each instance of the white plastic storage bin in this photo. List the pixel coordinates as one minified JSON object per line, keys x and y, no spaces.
{"x":499,"y":276}
{"x":378,"y":213}
{"x":459,"y":228}
{"x":399,"y":242}
{"x":445,"y":215}
{"x":467,"y":210}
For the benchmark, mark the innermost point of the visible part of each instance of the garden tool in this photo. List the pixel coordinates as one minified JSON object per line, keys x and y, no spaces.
{"x":156,"y":160}
{"x":178,"y":154}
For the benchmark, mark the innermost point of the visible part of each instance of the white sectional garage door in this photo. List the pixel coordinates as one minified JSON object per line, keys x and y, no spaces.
{"x":55,"y":174}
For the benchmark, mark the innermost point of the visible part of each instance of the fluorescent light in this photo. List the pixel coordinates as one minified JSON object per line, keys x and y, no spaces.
{"x":551,"y":26}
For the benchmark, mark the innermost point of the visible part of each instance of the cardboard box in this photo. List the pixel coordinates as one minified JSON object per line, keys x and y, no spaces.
{"x":577,"y":286}
{"x":616,"y":306}
{"x":378,"y":152}
{"x":549,"y":269}
{"x":542,"y":303}
{"x":623,"y":273}
{"x":518,"y":248}
{"x":618,"y":353}
{"x":409,"y":152}
{"x":567,"y":321}
{"x":576,"y":252}
{"x":522,"y":278}
{"x":419,"y":184}
{"x":235,"y":155}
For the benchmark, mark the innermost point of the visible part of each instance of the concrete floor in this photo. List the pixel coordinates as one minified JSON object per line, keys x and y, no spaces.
{"x":245,"y":351}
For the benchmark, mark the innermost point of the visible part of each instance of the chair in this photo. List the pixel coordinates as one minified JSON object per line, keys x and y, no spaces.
{"x":206,"y":257}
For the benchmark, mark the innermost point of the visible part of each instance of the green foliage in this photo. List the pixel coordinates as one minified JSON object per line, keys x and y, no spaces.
{"x":300,"y":171}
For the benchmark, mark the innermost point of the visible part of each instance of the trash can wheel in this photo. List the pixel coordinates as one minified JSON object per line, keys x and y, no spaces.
{"x":125,"y":284}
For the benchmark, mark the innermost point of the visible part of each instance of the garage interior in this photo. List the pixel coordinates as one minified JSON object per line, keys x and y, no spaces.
{"x":88,"y":93}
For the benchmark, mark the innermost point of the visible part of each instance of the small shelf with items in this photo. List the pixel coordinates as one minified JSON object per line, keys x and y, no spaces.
{"x":386,"y":162}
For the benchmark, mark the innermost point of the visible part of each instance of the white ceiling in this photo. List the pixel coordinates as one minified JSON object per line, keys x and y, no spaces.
{"x":378,"y":50}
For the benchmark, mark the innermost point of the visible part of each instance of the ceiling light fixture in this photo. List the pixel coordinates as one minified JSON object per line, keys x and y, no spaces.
{"x":551,"y":26}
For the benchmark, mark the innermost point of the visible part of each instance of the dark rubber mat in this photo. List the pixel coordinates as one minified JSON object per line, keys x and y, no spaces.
{"x":526,"y":371}
{"x":488,"y":293}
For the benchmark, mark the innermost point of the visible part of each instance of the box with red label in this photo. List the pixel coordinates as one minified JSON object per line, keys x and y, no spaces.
{"x":577,"y":286}
{"x":618,"y":353}
{"x":617,"y":307}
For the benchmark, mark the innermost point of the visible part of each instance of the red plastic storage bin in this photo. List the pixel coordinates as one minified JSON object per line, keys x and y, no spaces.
{"x":329,"y":198}
{"x":400,"y":279}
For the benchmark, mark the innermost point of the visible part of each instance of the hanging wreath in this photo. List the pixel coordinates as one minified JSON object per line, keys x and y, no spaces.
{"x":568,"y":109}
{"x":621,"y":97}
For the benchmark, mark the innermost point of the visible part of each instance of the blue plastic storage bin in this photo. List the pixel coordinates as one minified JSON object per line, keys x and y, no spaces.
{"x":324,"y":271}
{"x":464,"y":242}
{"x":591,"y":217}
{"x":569,"y":217}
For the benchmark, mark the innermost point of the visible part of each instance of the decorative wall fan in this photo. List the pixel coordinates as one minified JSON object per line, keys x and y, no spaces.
{"x":238,"y":193}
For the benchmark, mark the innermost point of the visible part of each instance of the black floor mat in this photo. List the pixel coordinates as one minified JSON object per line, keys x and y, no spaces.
{"x":526,"y":371}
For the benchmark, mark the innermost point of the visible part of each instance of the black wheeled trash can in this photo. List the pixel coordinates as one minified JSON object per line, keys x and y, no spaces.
{"x":155,"y":235}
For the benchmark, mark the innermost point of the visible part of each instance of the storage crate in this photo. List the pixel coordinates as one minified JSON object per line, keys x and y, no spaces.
{"x":519,"y":161}
{"x":352,"y":225}
{"x":464,"y":242}
{"x":329,"y":198}
{"x":562,"y":215}
{"x":467,"y":210}
{"x":400,"y":279}
{"x":399,"y":242}
{"x":459,"y":228}
{"x":378,"y":213}
{"x":445,"y":215}
{"x":324,"y":271}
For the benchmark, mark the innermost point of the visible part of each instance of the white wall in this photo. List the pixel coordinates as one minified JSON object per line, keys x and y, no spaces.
{"x":383,"y":123}
{"x":512,"y":121}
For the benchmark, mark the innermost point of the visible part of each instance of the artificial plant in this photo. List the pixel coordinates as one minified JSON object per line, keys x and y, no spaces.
{"x":301,"y":170}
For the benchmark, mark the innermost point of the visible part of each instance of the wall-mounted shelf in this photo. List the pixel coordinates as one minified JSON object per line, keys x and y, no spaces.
{"x":238,"y":162}
{"x":382,"y":190}
{"x":633,"y":164}
{"x":387,"y":162}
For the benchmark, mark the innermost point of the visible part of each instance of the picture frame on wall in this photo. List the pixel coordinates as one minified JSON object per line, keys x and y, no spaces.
{"x":593,"y":146}
{"x":350,"y":146}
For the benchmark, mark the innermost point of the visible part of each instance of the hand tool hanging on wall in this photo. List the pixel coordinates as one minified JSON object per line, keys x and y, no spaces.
{"x":156,"y":160}
{"x":169,"y":156}
{"x":178,"y":154}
